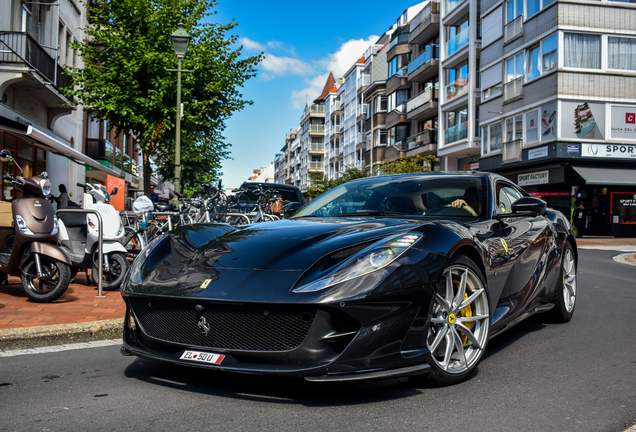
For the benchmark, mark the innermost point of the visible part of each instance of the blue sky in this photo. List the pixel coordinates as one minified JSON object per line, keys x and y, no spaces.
{"x":302,"y":42}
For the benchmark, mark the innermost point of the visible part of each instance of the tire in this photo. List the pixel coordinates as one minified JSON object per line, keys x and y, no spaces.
{"x":460,"y":328}
{"x":112,"y":279}
{"x":565,"y":289}
{"x":133,"y":241}
{"x":48,"y":288}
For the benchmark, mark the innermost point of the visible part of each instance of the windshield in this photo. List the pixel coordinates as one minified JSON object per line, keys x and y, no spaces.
{"x":418,"y":195}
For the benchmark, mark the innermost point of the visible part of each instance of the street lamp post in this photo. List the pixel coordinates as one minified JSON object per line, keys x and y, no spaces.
{"x":180,"y":41}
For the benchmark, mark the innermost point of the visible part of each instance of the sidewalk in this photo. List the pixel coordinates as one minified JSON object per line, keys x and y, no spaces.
{"x":79,"y":316}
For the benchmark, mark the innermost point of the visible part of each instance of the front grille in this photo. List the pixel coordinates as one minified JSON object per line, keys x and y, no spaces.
{"x":253,"y":327}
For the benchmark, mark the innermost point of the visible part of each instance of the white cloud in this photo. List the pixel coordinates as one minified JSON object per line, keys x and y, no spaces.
{"x":338,"y":63}
{"x":349,"y":52}
{"x":251,"y":45}
{"x":314,"y":88}
{"x":275,"y":66}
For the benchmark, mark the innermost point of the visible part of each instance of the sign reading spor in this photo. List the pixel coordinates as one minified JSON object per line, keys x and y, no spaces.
{"x":614,"y":151}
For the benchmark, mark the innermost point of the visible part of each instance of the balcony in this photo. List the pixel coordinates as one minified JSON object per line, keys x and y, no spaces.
{"x":424,"y":61}
{"x":511,"y":151}
{"x":362,"y":110}
{"x":513,"y":89}
{"x":363,"y":81}
{"x":398,"y":81}
{"x":335,"y":107}
{"x":316,"y":148}
{"x":424,"y":104}
{"x":426,"y":137}
{"x":399,"y":43}
{"x":313,"y":111}
{"x":21,"y":49}
{"x":456,"y":133}
{"x":425,"y":24}
{"x":513,"y":29}
{"x":457,"y":42}
{"x":317,"y":129}
{"x":451,"y":5}
{"x":105,"y":153}
{"x":400,"y":39}
{"x":456,"y":88}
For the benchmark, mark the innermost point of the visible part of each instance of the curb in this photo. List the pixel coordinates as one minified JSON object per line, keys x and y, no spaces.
{"x":43,"y":336}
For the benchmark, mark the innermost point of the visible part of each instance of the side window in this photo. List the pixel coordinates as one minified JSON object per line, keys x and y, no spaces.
{"x":506,"y":195}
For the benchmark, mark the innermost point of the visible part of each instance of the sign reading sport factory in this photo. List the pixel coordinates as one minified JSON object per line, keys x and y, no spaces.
{"x":613,"y":151}
{"x":623,"y":122}
{"x":539,"y":177}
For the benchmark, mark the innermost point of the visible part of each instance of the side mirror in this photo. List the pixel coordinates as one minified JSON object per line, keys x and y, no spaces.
{"x":529,"y":204}
{"x":291,"y":208}
{"x":5,"y":155}
{"x":114,"y":191}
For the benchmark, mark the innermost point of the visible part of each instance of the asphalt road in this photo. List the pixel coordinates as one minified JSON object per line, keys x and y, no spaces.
{"x":579,"y":376}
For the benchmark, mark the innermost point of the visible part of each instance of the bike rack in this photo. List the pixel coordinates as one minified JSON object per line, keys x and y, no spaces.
{"x":99,"y":242}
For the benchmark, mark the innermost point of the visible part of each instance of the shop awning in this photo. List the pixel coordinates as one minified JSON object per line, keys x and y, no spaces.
{"x":608,"y":176}
{"x":52,"y":143}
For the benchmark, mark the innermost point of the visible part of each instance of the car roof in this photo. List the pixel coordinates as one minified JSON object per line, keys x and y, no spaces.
{"x":272,"y":185}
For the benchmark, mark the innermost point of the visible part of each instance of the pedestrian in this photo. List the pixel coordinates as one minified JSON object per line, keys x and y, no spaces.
{"x":154,"y":196}
{"x":62,"y":199}
{"x":579,"y":219}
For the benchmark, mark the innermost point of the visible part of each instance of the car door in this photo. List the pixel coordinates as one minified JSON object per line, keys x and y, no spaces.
{"x":529,"y":239}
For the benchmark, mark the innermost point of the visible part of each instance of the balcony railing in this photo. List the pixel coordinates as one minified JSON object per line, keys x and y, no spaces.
{"x":430,"y":53}
{"x":316,"y":147}
{"x":316,"y":165}
{"x":335,"y":106}
{"x":460,"y":40}
{"x":364,"y":80}
{"x":425,"y":14}
{"x":427,"y":136}
{"x":429,"y":94}
{"x":456,"y":133}
{"x":401,"y":108}
{"x":513,"y":28}
{"x":400,"y":39}
{"x":513,"y":88}
{"x":18,"y":47}
{"x":511,"y":151}
{"x":456,"y":88}
{"x":362,"y":110}
{"x":451,"y":5}
{"x":316,"y":128}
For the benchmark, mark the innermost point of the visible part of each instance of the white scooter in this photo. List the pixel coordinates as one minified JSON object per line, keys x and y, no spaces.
{"x":79,"y":236}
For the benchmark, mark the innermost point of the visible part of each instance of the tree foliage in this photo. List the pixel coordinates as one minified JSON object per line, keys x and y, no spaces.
{"x":411,"y":164}
{"x":125,"y":81}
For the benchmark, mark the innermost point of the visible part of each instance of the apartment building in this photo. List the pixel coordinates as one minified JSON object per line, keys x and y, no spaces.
{"x":36,"y":122}
{"x":312,"y":143}
{"x":332,"y":129}
{"x":460,"y":44}
{"x":558,"y":105}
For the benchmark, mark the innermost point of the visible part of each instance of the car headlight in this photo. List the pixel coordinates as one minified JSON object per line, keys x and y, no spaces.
{"x":372,"y":258}
{"x":137,"y":267}
{"x":22,"y":225}
{"x":54,"y":232}
{"x":45,"y":185}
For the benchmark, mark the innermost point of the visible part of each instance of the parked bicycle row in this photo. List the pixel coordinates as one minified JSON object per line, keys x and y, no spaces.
{"x":252,"y":203}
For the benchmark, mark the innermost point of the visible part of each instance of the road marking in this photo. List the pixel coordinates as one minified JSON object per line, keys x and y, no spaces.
{"x":613,"y":248}
{"x":58,"y":348}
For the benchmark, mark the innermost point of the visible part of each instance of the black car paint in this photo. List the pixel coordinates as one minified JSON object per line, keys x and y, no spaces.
{"x":262,"y":263}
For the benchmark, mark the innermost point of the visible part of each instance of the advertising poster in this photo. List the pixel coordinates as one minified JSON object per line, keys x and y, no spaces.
{"x":548,"y":121}
{"x":532,"y":126}
{"x":583,"y":120}
{"x":623,"y":122}
{"x":118,"y":199}
{"x":624,"y":206}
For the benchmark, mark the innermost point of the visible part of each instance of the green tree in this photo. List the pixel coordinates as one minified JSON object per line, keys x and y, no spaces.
{"x":323,"y":184}
{"x":411,"y":164}
{"x":125,"y":81}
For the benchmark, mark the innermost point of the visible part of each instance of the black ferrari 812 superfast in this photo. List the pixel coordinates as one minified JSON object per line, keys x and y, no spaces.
{"x":389,"y":276}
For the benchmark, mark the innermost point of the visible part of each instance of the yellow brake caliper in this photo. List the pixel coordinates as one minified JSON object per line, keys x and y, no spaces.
{"x":467,"y":312}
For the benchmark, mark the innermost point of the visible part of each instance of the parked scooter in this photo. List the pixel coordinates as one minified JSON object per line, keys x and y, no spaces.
{"x":79,"y":237}
{"x":28,"y":239}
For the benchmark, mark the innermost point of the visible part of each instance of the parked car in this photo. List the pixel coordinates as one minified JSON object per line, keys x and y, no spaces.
{"x":411,"y":275}
{"x":288,"y":193}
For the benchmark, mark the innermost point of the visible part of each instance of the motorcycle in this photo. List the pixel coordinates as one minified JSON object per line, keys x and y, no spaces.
{"x":79,"y":238}
{"x":28,"y":239}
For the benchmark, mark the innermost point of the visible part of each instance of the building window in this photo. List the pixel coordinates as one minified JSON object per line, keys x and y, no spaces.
{"x":532,"y":64}
{"x":492,"y":91}
{"x":495,"y":137}
{"x":533,"y":7}
{"x":621,"y":53}
{"x":532,"y":126}
{"x":514,"y":128}
{"x":514,"y":67}
{"x":514,"y":8}
{"x":380,"y":104}
{"x":582,"y":51}
{"x":550,"y":52}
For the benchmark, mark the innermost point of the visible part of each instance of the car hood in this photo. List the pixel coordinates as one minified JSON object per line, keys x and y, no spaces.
{"x":248,"y":263}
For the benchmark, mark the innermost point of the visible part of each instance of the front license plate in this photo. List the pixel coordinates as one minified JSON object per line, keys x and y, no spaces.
{"x":203,"y":357}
